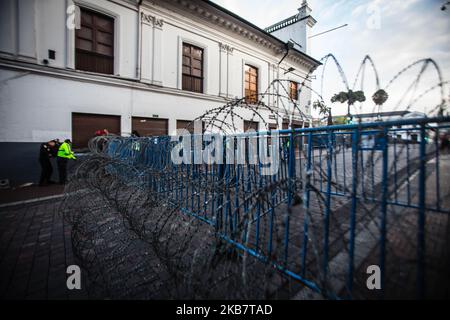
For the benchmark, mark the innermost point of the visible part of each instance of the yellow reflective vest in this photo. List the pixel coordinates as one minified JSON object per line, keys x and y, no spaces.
{"x":65,"y":151}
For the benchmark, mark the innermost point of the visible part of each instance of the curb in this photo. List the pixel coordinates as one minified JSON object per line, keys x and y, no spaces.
{"x":35,"y":200}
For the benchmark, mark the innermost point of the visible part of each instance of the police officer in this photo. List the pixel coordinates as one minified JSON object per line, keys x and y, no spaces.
{"x":45,"y":154}
{"x":64,"y":154}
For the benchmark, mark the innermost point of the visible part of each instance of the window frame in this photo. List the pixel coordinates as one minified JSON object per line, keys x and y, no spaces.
{"x":248,"y":99}
{"x":202,"y":77}
{"x":115,"y":40}
{"x":294,"y":96}
{"x":248,"y":125}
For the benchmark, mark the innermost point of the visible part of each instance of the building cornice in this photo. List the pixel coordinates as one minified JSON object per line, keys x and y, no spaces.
{"x":220,"y":17}
{"x":216,"y":18}
{"x":289,"y":21}
{"x":284,"y":23}
{"x":129,"y":4}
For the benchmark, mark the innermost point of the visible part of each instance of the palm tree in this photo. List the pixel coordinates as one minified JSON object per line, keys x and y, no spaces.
{"x":350,"y":97}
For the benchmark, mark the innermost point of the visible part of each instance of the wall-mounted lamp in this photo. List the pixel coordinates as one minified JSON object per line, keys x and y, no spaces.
{"x":289,"y":70}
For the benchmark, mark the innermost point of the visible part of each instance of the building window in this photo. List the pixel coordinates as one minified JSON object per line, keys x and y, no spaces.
{"x":94,"y":43}
{"x":251,"y":125}
{"x":192,"y":68}
{"x":251,"y":84}
{"x":293,"y":90}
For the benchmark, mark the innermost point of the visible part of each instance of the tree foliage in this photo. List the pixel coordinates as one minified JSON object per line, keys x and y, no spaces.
{"x":321,"y":106}
{"x":380,"y":97}
{"x":350,"y":97}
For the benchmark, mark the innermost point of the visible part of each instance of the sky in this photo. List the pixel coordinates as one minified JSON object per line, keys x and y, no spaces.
{"x":395,"y":33}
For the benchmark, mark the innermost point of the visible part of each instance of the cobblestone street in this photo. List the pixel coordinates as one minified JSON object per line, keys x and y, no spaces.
{"x":35,"y":250}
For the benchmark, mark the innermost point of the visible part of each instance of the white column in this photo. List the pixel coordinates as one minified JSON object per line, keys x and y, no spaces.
{"x":223,"y":70}
{"x":27,"y":28}
{"x":157,"y":53}
{"x":8,"y":26}
{"x":147,"y":53}
{"x":151,"y":49}
{"x":229,"y":57}
{"x":228,"y":73}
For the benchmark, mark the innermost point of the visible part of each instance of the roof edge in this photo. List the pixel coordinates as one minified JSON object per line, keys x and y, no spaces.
{"x":253,"y":26}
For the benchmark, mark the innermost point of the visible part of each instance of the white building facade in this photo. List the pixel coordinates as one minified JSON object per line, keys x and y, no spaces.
{"x":68,"y":68}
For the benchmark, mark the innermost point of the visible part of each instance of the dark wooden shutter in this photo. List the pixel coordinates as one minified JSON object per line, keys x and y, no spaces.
{"x":189,"y":125}
{"x":150,"y":126}
{"x":192,"y":74}
{"x":94,"y":43}
{"x":295,"y":124}
{"x":251,"y":84}
{"x":85,"y":125}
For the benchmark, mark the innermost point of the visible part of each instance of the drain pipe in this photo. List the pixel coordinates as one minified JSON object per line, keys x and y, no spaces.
{"x":288,"y":45}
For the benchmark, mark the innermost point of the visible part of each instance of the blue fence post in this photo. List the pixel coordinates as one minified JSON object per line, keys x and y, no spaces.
{"x":438,"y":192}
{"x":291,"y":190}
{"x":291,"y":165}
{"x":408,"y":174}
{"x":221,"y":180}
{"x":384,"y":195}
{"x":395,"y":170}
{"x":355,"y":142}
{"x":258,"y":182}
{"x":326,"y":222}
{"x":306,"y":205}
{"x":421,"y":218}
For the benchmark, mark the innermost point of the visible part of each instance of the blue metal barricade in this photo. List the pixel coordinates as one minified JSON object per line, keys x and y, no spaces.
{"x":307,"y":217}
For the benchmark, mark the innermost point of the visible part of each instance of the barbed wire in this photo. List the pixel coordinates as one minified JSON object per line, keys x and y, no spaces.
{"x":146,"y":228}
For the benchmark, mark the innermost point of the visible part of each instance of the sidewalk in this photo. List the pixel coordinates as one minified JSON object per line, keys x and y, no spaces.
{"x":29,"y":193}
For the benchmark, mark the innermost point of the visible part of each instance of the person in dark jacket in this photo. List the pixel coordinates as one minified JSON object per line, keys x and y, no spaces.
{"x":46,"y":152}
{"x":55,"y":148}
{"x":135,"y":133}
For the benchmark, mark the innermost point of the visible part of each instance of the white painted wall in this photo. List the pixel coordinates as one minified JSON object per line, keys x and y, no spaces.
{"x":29,"y":28}
{"x":42,"y":105}
{"x":297,"y":31}
{"x":19,"y":41}
{"x":36,"y":103}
